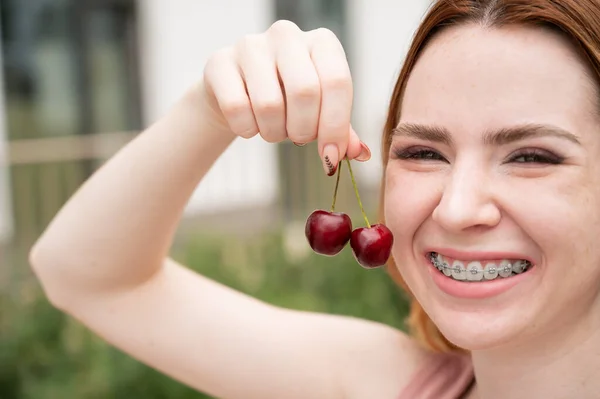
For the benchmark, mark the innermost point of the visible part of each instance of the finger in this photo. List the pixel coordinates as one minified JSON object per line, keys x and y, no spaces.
{"x":223,"y":79}
{"x":336,"y":97}
{"x":301,"y":85}
{"x":357,"y":149}
{"x":259,"y":70}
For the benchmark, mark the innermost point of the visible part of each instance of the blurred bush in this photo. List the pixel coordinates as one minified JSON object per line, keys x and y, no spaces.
{"x":47,"y":355}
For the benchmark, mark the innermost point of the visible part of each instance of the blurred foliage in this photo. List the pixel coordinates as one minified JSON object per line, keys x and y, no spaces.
{"x":45,"y":354}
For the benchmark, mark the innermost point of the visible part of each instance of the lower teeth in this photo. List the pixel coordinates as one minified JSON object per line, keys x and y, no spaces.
{"x":476,"y":274}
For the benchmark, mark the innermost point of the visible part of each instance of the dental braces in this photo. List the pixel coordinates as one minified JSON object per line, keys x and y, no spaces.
{"x":508,"y":268}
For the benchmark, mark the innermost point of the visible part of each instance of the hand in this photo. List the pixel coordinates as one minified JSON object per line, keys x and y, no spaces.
{"x":287,"y":84}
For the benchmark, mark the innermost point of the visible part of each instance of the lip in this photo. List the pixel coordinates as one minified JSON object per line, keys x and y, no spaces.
{"x":480,"y":289}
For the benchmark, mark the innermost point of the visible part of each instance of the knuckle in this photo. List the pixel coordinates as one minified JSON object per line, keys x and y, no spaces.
{"x":339,"y":81}
{"x":234,"y":108}
{"x":246,"y":132}
{"x":302,"y":136}
{"x":268,"y":107}
{"x":283,"y":26}
{"x":325,"y":34}
{"x":333,"y":123}
{"x":333,"y":126}
{"x":270,"y":136}
{"x":305,"y":93}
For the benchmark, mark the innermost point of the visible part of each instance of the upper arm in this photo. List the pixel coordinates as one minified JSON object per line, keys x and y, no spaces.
{"x":230,"y":345}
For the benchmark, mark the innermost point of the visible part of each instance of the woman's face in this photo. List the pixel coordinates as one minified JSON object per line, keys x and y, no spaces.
{"x":495,"y":166}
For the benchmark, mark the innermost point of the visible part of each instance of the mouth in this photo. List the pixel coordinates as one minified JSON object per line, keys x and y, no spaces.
{"x":478,"y":270}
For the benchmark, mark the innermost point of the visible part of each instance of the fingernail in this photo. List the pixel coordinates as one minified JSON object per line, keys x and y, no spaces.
{"x":330,"y":159}
{"x":299,"y":144}
{"x":365,"y":153}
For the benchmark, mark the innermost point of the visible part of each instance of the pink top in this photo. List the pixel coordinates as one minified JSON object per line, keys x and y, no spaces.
{"x":443,"y":376}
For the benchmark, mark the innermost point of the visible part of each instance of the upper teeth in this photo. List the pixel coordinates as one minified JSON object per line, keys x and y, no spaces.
{"x":478,"y":270}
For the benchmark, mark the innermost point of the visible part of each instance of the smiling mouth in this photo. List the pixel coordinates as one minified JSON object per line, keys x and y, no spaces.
{"x":474,"y":271}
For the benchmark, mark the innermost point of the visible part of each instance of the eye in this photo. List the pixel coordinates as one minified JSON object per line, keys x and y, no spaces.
{"x":535,"y":155}
{"x":418,"y":153}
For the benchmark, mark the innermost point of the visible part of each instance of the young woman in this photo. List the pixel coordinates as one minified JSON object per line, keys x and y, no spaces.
{"x":491,"y":189}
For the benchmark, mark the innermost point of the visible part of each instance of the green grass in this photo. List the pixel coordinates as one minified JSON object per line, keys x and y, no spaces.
{"x":47,"y":355}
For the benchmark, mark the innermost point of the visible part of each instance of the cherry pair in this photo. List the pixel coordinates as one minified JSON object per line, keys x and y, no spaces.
{"x":328,"y":232}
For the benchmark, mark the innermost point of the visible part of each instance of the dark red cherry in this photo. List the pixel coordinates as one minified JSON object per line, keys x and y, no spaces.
{"x":328,"y":232}
{"x":372,"y":246}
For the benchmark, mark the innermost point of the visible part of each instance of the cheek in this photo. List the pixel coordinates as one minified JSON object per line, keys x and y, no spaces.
{"x":564,"y":222}
{"x":577,"y":219}
{"x":560,"y":215}
{"x":409,"y":200}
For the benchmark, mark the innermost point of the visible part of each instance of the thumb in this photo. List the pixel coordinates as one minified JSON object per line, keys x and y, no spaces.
{"x":357,"y":149}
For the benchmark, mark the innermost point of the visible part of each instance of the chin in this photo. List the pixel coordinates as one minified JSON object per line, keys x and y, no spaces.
{"x":477,"y":330}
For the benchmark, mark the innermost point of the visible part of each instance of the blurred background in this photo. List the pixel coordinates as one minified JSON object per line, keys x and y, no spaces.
{"x":80,"y":78}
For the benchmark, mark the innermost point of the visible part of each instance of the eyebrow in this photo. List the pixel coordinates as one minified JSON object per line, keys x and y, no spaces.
{"x":497,"y":137}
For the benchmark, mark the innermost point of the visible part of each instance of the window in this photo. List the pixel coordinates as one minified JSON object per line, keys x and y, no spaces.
{"x":69,"y":66}
{"x":69,"y":69}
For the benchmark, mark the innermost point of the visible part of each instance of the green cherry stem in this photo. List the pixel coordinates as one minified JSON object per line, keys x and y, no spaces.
{"x":337,"y":183}
{"x":356,"y":192}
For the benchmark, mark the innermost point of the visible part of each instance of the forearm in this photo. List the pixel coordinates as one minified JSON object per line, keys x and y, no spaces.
{"x":117,"y":229}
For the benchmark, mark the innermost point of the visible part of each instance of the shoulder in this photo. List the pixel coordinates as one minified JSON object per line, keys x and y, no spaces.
{"x":376,"y":360}
{"x":384,"y":362}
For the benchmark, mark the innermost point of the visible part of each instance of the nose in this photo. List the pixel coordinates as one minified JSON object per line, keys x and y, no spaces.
{"x":467,"y":201}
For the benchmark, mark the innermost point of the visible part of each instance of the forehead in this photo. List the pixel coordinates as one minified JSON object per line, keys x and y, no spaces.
{"x":473,"y":78}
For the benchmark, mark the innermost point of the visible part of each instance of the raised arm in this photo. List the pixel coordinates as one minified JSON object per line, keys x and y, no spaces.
{"x":104,"y":258}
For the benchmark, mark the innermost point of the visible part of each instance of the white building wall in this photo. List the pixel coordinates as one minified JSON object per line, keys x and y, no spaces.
{"x":177,"y":37}
{"x":379,"y":32}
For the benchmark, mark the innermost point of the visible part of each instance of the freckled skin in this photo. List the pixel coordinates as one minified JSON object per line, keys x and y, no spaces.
{"x":471,"y":79}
